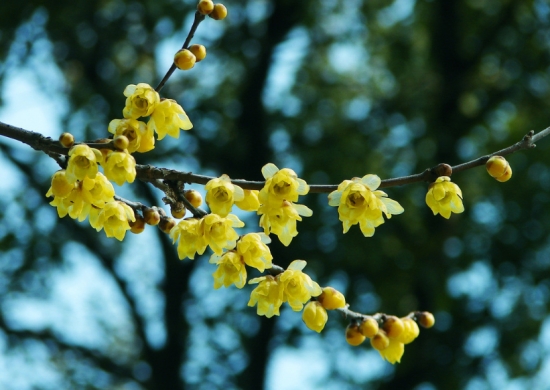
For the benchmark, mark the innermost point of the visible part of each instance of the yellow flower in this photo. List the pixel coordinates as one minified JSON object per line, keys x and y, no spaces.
{"x":282,"y":220}
{"x":82,"y":163}
{"x":221,"y":194}
{"x":168,"y":118}
{"x":268,"y":295}
{"x":231,"y":270}
{"x":250,"y":201}
{"x":281,"y":185}
{"x":410,"y":331}
{"x":393,"y":352}
{"x":444,"y":197}
{"x":120,"y":167}
{"x":298,"y":288}
{"x":254,"y":251}
{"x":60,"y":185}
{"x":113,"y":218}
{"x":186,"y":232}
{"x":360,"y":203}
{"x":141,"y":100}
{"x":315,"y":316}
{"x":140,"y":138}
{"x":218,"y":232}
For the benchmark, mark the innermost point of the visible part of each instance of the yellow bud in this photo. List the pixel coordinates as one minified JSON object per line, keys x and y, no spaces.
{"x":151,"y":216}
{"x":410,"y":331}
{"x":121,"y":142}
{"x":219,"y":12}
{"x":425,"y":319}
{"x":205,"y":7}
{"x":166,"y":224}
{"x":66,"y":139}
{"x":393,"y":326}
{"x":138,"y":226}
{"x":380,"y":341}
{"x":369,"y":327}
{"x":199,"y":51}
{"x":184,"y":59}
{"x":194,"y":197}
{"x":506,"y":176}
{"x":496,"y":166}
{"x":178,"y":213}
{"x":353,"y":335}
{"x":314,"y":316}
{"x":331,"y":298}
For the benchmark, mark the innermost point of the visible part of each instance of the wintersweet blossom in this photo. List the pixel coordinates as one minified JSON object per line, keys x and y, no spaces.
{"x":315,"y":316}
{"x":113,"y":219}
{"x":254,"y":251}
{"x":168,"y":118}
{"x":190,"y":242}
{"x":60,"y":186}
{"x":120,"y":167}
{"x":393,"y":352}
{"x":282,"y":220}
{"x":268,"y":295}
{"x":218,"y":232}
{"x":360,"y":203}
{"x":444,"y":197}
{"x":141,"y":100}
{"x":82,"y":163}
{"x":221,"y":194}
{"x":298,"y":288}
{"x":231,"y":270}
{"x":281,"y":184}
{"x":140,"y":138}
{"x":250,"y":201}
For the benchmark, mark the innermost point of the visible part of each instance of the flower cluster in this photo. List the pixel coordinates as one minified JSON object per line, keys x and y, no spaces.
{"x":359,"y":202}
{"x":444,"y":197}
{"x":278,"y":211}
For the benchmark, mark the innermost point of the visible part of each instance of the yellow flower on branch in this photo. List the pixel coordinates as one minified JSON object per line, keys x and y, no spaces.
{"x":190,"y":242}
{"x":268,"y":295}
{"x":298,"y":288}
{"x":444,"y":197}
{"x":254,"y":251}
{"x":141,"y":100}
{"x":60,"y":186}
{"x":315,"y":316}
{"x":168,"y":118}
{"x":120,"y":167}
{"x":281,"y":184}
{"x":231,"y":270}
{"x":82,"y":163}
{"x":113,"y":219}
{"x":218,"y":232}
{"x":221,"y":194}
{"x":140,"y":138}
{"x":281,"y":220}
{"x":359,"y":202}
{"x":250,"y":202}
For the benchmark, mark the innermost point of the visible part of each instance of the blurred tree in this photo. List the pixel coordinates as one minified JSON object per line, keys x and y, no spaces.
{"x":333,"y":89}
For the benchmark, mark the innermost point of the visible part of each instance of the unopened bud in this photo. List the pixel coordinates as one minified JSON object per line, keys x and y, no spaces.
{"x":121,"y":142}
{"x":66,"y":139}
{"x":369,"y":327}
{"x":393,"y":326}
{"x":205,"y":7}
{"x":199,"y":51}
{"x":380,"y":341}
{"x":184,"y":59}
{"x":353,"y":335}
{"x":506,"y":176}
{"x":138,"y":226}
{"x":151,"y":216}
{"x":497,"y":167}
{"x":166,"y":224}
{"x":219,"y":12}
{"x":331,"y":298}
{"x":425,"y":319}
{"x":194,"y":197}
{"x":178,"y":213}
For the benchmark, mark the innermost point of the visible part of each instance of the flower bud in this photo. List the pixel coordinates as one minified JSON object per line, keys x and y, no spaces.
{"x":199,"y":51}
{"x":393,"y":326}
{"x":315,"y":316}
{"x":380,"y":341}
{"x":205,"y":7}
{"x":121,"y":142}
{"x":331,"y":298}
{"x":194,"y":197}
{"x":178,"y":213}
{"x":410,"y":330}
{"x":184,"y":59}
{"x":166,"y":224}
{"x":498,"y":167}
{"x":151,"y":216}
{"x":353,"y":335}
{"x":66,"y":139}
{"x":138,"y":226}
{"x":369,"y":327}
{"x":425,"y":319}
{"x":219,"y":12}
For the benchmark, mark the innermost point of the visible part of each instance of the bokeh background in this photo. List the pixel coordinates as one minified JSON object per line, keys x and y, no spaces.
{"x":332,"y":89}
